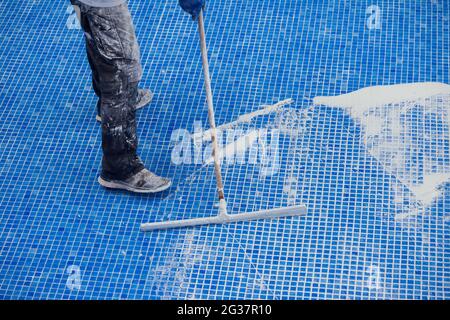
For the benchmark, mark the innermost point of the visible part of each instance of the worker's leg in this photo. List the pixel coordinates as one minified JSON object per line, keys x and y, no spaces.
{"x":114,"y":53}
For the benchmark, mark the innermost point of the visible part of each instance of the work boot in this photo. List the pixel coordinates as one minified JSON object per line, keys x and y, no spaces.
{"x":145,"y":96}
{"x":142,"y":182}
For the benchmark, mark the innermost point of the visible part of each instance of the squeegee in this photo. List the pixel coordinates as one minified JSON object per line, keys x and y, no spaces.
{"x":222,"y":217}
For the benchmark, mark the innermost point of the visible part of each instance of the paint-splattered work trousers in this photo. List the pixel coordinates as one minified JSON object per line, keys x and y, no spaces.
{"x":114,"y":56}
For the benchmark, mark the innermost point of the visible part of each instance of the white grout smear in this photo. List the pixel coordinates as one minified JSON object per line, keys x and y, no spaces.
{"x":265,"y":109}
{"x":428,"y":190}
{"x":406,"y":127}
{"x":366,"y":98}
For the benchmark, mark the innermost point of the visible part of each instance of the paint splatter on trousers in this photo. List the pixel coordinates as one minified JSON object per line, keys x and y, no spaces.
{"x":114,"y":57}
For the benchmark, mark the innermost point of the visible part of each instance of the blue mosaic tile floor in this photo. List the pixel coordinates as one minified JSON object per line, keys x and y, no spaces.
{"x":62,"y":236}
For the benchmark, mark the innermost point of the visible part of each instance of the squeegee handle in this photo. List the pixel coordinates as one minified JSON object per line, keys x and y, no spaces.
{"x":209,"y":99}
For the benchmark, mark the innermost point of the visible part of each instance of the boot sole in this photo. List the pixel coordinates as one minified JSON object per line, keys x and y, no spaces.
{"x":137,"y":107}
{"x":124,"y":186}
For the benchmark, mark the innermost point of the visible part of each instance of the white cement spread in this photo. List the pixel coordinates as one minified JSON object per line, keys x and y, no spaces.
{"x":264,"y":110}
{"x":363,"y":99}
{"x":400,"y":123}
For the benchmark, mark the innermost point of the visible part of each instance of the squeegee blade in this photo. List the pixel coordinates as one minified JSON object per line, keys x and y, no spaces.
{"x":284,"y":212}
